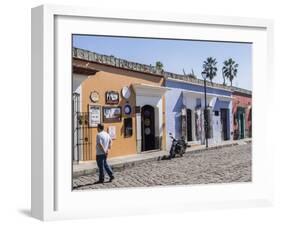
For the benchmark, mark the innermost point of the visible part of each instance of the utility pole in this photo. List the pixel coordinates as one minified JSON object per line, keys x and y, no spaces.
{"x":206,"y":124}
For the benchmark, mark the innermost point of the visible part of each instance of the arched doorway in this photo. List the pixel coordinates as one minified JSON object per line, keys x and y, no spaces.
{"x":147,"y":128}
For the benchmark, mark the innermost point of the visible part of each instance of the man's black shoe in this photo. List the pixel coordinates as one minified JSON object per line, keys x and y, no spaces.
{"x":111,"y":178}
{"x":99,"y":182}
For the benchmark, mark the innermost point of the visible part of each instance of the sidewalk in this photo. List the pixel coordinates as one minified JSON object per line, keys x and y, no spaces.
{"x":119,"y":163}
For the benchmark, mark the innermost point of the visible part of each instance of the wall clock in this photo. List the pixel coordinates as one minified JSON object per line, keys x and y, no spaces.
{"x":94,"y":96}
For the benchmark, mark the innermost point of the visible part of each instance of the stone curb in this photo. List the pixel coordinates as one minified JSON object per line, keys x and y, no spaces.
{"x":121,"y":166}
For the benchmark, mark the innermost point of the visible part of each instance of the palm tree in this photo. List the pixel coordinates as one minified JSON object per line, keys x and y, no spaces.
{"x":209,"y":68}
{"x":224,"y":76}
{"x":230,"y":69}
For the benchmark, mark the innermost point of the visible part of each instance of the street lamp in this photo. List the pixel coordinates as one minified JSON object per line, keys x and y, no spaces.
{"x":206,"y":126}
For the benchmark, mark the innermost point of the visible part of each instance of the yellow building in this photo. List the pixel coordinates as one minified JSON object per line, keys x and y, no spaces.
{"x":127,"y":97}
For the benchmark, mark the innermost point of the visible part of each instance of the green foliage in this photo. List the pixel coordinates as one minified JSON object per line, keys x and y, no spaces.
{"x":192,"y":75}
{"x":159,"y":65}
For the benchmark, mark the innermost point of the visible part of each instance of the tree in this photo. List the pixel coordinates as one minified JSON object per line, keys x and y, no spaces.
{"x":209,"y":68}
{"x":159,"y":65}
{"x":229,"y":70}
{"x":191,"y":75}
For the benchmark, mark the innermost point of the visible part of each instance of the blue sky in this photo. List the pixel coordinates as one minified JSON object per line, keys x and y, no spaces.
{"x":175,"y":55}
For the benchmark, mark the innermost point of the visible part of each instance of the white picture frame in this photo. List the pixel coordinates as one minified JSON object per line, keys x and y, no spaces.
{"x":94,"y":115}
{"x":112,"y":132}
{"x":52,"y":197}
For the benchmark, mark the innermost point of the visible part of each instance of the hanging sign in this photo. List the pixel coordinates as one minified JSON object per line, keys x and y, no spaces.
{"x":128,"y":127}
{"x":94,"y":115}
{"x":138,"y":109}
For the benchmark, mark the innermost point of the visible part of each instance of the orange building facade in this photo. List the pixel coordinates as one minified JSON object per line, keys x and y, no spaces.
{"x":127,"y":98}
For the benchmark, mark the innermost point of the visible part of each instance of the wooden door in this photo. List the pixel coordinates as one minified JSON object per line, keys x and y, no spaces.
{"x":148,"y":128}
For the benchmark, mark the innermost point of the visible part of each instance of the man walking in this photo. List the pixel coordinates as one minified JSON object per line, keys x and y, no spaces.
{"x":103,"y":144}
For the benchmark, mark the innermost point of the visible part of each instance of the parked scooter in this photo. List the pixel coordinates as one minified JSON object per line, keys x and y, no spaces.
{"x":178,"y":147}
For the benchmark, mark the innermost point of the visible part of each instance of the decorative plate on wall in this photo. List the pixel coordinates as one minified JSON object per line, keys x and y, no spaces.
{"x":127,"y":109}
{"x":126,"y":92}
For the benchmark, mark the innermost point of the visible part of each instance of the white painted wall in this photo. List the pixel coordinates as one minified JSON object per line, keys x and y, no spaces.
{"x":217,"y":130}
{"x":189,"y":101}
{"x":77,"y":80}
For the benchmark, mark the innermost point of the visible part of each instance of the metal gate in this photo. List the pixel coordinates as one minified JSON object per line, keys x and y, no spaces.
{"x":82,"y":134}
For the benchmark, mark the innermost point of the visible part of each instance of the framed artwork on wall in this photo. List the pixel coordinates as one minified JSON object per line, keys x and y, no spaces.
{"x":112,"y":132}
{"x":60,"y":69}
{"x":112,"y":114}
{"x":112,"y":97}
{"x":94,"y":115}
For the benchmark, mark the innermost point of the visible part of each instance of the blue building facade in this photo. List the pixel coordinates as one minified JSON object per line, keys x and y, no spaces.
{"x":185,"y":112}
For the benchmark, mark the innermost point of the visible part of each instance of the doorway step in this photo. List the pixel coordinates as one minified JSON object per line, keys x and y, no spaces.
{"x":193,"y":143}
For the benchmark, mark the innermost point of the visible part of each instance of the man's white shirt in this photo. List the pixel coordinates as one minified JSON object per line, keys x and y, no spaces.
{"x":104,"y":139}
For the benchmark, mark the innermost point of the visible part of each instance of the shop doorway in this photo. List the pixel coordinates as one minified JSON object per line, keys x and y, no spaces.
{"x":241,"y":122}
{"x":242,"y":126}
{"x":224,"y":113}
{"x":148,"y":128}
{"x":189,"y":124}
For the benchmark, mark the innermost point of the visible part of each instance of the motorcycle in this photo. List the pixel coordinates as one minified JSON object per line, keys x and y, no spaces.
{"x":178,"y":147}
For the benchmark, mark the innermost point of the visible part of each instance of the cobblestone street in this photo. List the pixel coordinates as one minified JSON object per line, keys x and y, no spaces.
{"x":224,"y":165}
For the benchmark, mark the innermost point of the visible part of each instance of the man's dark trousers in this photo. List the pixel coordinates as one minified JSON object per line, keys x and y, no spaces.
{"x":102,"y":164}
